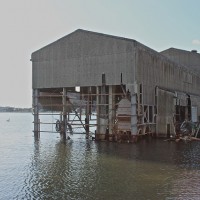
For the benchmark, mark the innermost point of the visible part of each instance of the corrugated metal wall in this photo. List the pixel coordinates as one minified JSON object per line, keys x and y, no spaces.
{"x":188,"y":58}
{"x":166,"y":111}
{"x":154,"y":70}
{"x":81,"y":58}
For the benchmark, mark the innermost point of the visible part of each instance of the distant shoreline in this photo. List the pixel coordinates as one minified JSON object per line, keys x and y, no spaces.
{"x":13,"y":109}
{"x":15,"y":112}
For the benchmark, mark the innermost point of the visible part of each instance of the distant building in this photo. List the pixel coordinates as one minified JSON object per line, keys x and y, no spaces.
{"x":190,"y":59}
{"x":163,"y":89}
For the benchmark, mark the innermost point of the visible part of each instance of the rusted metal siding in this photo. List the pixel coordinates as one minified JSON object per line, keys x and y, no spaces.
{"x":80,"y":59}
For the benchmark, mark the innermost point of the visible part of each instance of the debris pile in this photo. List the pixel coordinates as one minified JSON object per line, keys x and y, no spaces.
{"x":187,"y":131}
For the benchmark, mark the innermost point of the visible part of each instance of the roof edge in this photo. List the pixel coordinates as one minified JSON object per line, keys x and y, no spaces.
{"x":96,"y":33}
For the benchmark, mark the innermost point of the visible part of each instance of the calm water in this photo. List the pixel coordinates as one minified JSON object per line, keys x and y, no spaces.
{"x":80,"y":169}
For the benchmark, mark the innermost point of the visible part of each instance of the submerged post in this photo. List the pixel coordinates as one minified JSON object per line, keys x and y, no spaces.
{"x":103,"y":118}
{"x":64,"y":122}
{"x":133,"y":117}
{"x":36,"y":114}
{"x":87,"y":118}
{"x":111,"y":111}
{"x":97,"y":111}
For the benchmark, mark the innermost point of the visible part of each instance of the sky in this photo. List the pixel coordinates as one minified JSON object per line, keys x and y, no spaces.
{"x":28,"y":25}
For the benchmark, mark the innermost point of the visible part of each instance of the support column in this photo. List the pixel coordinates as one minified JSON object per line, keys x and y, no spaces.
{"x":133,"y":92}
{"x":133,"y":115}
{"x":36,"y":114}
{"x":64,"y":122}
{"x":87,"y":118}
{"x":111,"y":110}
{"x":97,"y":111}
{"x":103,"y":123}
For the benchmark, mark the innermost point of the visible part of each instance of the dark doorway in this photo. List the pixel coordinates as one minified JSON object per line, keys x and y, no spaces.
{"x":168,"y":130}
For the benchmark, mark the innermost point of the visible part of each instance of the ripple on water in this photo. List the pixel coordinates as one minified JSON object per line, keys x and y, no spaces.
{"x":80,"y":169}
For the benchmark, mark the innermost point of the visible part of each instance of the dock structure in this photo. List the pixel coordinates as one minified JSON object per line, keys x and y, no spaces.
{"x":114,"y":88}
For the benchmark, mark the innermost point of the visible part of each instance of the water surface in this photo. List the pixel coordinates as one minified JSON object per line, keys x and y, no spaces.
{"x":50,"y":168}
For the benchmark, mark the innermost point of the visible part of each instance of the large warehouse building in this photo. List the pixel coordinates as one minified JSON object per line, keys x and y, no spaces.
{"x":131,"y":89}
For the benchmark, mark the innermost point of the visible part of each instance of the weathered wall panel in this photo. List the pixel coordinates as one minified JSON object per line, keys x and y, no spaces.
{"x":81,"y":58}
{"x":156,"y":70}
{"x":166,"y":112}
{"x":195,"y":101}
{"x":191,"y":59}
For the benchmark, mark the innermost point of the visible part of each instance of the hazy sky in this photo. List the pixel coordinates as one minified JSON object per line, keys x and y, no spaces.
{"x":27,"y":25}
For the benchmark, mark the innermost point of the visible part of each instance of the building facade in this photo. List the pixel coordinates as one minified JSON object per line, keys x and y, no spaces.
{"x":131,"y":89}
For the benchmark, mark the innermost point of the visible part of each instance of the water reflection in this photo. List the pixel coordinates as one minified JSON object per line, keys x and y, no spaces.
{"x":83,"y":169}
{"x":57,"y":172}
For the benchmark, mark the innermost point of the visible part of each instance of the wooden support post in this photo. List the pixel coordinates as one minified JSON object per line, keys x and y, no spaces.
{"x":87,"y":118}
{"x":64,"y":122}
{"x":133,"y":118}
{"x":111,"y":110}
{"x":103,"y":122}
{"x":98,"y":111}
{"x":36,"y":114}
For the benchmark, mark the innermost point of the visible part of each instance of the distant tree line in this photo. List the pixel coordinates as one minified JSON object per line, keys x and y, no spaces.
{"x":13,"y":109}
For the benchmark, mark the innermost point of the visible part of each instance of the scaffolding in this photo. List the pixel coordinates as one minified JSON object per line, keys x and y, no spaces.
{"x":92,"y":111}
